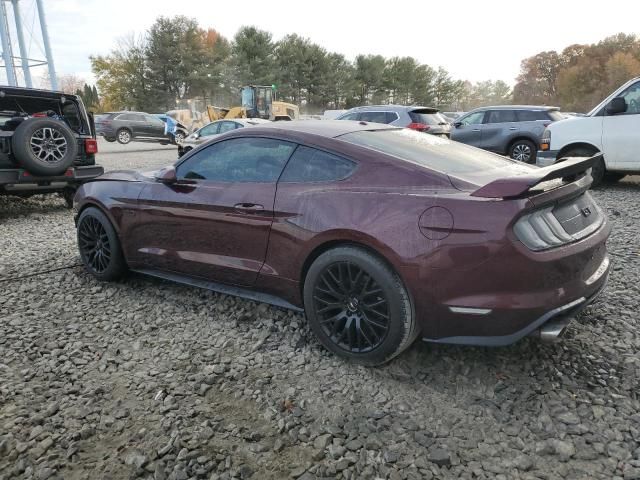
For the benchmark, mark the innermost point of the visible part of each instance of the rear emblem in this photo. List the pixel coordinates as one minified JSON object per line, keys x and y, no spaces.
{"x":586,"y":212}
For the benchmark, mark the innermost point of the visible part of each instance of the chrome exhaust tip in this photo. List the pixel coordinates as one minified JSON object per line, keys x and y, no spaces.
{"x":552,"y":331}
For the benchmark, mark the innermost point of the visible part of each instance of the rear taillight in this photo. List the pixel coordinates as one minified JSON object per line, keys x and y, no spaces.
{"x":90,"y":146}
{"x":545,"y":141}
{"x":422,"y":127}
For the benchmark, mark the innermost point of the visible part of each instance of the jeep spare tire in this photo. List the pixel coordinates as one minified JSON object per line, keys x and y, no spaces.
{"x":44,"y":146}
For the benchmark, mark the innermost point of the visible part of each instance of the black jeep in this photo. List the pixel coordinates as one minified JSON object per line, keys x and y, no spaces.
{"x":47,"y":143}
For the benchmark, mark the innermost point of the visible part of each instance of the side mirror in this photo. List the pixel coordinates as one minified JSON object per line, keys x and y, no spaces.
{"x":167,"y":175}
{"x":196,"y":135}
{"x":457,"y":124}
{"x":617,"y":105}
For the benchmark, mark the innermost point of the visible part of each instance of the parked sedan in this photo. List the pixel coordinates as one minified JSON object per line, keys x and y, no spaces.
{"x":379,"y":234}
{"x":125,"y":127}
{"x":422,"y":119}
{"x":213,"y":129}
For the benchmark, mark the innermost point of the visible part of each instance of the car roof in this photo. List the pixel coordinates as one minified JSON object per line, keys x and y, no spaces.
{"x":246,"y":121}
{"x":321,"y":128}
{"x":516,"y":107}
{"x":390,"y":108}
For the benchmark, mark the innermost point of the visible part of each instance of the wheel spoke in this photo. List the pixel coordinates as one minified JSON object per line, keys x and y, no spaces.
{"x":350,"y":307}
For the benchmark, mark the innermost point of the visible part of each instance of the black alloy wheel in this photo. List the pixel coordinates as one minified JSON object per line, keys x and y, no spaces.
{"x":357,"y":306}
{"x":94,"y":244}
{"x":351,"y":307}
{"x":99,"y":245}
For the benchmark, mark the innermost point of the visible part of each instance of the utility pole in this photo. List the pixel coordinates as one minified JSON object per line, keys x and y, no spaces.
{"x":21,"y":45}
{"x":47,"y":47}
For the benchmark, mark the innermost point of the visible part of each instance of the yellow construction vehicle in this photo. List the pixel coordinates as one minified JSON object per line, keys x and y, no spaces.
{"x":257,"y":102}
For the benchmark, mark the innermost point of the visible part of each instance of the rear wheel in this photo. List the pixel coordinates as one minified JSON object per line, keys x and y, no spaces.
{"x":523,"y":151}
{"x":358,"y":307}
{"x":614,"y":176}
{"x":99,"y":246}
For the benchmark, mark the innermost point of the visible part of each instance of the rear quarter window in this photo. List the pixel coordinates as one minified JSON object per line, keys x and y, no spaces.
{"x":531,"y":115}
{"x":311,"y":165}
{"x":378,"y":117}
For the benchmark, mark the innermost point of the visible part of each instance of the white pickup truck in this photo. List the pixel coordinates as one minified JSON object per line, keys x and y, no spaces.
{"x":612,"y":128}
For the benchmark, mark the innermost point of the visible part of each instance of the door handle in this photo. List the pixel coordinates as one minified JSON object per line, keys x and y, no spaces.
{"x":248,"y":207}
{"x":513,"y":128}
{"x":475,"y":130}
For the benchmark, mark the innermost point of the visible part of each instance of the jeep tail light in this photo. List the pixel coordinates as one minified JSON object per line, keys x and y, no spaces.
{"x":422,"y":127}
{"x":90,"y":146}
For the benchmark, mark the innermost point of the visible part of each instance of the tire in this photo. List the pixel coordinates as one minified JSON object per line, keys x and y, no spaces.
{"x":44,"y":146}
{"x":99,"y":246}
{"x":524,"y":151}
{"x":109,"y":139}
{"x":614,"y":176}
{"x":598,"y":171}
{"x":124,"y":136}
{"x":352,"y":334}
{"x":178,"y":137}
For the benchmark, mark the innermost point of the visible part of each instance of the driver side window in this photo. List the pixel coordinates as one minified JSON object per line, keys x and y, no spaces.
{"x":238,"y":160}
{"x":632,"y":97}
{"x":473,"y":119}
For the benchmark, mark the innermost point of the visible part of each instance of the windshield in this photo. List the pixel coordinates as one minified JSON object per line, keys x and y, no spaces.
{"x":428,"y":150}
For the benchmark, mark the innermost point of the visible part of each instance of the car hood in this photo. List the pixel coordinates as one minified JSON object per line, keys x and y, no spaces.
{"x":126,"y":176}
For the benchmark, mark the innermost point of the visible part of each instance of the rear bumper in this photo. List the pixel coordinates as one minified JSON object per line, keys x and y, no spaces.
{"x":512,"y":293}
{"x":559,"y":316}
{"x":19,"y":180}
{"x":546,"y":157}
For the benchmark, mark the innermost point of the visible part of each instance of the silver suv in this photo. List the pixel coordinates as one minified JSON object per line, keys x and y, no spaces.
{"x":513,"y":130}
{"x":423,"y":119}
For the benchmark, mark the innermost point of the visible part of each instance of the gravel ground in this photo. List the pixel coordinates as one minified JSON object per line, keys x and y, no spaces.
{"x":147,"y":379}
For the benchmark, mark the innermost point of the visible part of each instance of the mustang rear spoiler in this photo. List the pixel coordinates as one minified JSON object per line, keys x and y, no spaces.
{"x":518,"y":184}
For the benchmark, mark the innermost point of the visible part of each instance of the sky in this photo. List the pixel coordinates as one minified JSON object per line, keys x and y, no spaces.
{"x":473,"y":40}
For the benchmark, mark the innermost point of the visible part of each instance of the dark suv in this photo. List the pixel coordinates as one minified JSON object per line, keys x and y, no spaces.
{"x":513,"y":130}
{"x":47,"y":143}
{"x":127,"y":126}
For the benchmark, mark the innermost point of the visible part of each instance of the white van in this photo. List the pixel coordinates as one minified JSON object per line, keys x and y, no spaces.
{"x":612,"y":128}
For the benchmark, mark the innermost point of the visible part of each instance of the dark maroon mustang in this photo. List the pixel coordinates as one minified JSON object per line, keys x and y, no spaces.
{"x":379,"y":234}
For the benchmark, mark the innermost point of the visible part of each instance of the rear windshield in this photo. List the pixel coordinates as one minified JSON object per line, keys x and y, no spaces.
{"x":428,"y":118}
{"x":428,"y":151}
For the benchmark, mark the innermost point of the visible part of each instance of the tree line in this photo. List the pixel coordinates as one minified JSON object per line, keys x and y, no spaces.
{"x":580,"y":76}
{"x":176,"y":59}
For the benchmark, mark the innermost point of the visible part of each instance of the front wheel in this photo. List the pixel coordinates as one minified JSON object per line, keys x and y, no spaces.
{"x":178,"y":138}
{"x":523,"y":151}
{"x":123,"y":136}
{"x":358,"y":307}
{"x":99,"y":246}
